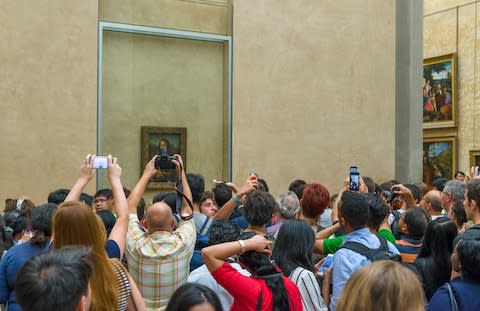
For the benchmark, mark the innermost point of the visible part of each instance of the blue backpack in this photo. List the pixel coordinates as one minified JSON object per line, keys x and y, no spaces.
{"x":200,"y":242}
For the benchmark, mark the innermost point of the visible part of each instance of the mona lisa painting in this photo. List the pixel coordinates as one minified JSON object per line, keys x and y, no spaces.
{"x":162,"y":141}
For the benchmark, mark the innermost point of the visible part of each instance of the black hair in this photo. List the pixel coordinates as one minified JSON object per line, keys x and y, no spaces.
{"x":369,"y":183}
{"x":222,"y":231}
{"x":86,"y":198}
{"x":170,"y":198}
{"x":41,"y":221}
{"x":297,"y":186}
{"x":417,"y":219}
{"x":259,"y":208}
{"x":417,"y":195}
{"x":107,"y":193}
{"x":299,"y":234}
{"x":108,"y":219}
{"x":387,"y":186}
{"x":222,"y":193}
{"x":433,"y":260}
{"x":473,"y":191}
{"x":261,"y":266}
{"x":262,"y":185}
{"x":459,"y":173}
{"x":459,"y":210}
{"x":16,"y":221}
{"x":354,"y":208}
{"x":439,"y":183}
{"x":58,"y":196}
{"x":378,"y":210}
{"x":141,"y":209}
{"x":55,"y":280}
{"x":6,"y":240}
{"x":468,"y":251}
{"x":197,"y":186}
{"x":192,"y":294}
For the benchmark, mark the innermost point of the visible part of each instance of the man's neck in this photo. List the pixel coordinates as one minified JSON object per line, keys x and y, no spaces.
{"x":257,"y":229}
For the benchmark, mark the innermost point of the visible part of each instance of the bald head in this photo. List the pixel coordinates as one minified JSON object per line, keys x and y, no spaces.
{"x":159,"y":217}
{"x":432,"y":201}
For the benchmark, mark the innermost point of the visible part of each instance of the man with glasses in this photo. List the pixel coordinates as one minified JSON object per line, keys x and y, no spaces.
{"x":432,"y":202}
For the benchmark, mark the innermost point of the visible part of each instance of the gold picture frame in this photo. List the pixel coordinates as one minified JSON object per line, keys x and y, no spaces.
{"x":439,"y":91}
{"x":474,"y":158}
{"x":439,"y":158}
{"x":171,"y":140}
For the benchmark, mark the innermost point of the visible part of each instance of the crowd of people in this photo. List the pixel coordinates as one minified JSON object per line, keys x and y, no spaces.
{"x":388,"y":246}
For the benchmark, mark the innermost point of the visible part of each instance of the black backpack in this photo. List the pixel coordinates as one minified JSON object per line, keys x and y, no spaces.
{"x":381,"y":253}
{"x":395,"y":229}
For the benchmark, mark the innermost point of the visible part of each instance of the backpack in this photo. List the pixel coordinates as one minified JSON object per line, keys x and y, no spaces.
{"x":200,"y":242}
{"x":381,"y":253}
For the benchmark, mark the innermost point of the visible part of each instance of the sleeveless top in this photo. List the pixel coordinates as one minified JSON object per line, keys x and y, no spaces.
{"x":123,"y":285}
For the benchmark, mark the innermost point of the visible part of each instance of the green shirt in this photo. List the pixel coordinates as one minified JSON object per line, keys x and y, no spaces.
{"x":330,"y":246}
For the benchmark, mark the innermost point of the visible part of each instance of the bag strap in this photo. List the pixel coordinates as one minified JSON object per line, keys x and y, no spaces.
{"x":364,"y":250}
{"x":453,"y":301}
{"x":206,"y":226}
{"x":259,"y":302}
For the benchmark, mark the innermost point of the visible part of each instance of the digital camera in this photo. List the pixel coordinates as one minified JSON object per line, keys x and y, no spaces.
{"x":164,"y":162}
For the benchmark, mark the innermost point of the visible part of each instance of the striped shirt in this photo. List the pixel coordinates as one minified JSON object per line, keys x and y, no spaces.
{"x":409,"y":249}
{"x":159,"y":262}
{"x":123,"y":286}
{"x":309,"y":289}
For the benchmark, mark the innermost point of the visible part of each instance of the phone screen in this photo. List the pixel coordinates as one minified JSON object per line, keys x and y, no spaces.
{"x":100,"y":162}
{"x":354,"y":184}
{"x":326,"y":264}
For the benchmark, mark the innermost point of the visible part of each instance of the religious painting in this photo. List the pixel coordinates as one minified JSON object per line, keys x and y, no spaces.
{"x":163,"y":141}
{"x":439,"y":158}
{"x":474,"y":158}
{"x":439,"y":93}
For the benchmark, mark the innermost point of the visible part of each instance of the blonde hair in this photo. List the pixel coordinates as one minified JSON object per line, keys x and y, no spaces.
{"x":75,"y":223}
{"x":382,"y":285}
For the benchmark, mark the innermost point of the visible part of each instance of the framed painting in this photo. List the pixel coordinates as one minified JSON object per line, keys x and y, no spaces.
{"x":439,"y":91}
{"x":474,"y":158}
{"x":439,"y":158}
{"x":162,"y":141}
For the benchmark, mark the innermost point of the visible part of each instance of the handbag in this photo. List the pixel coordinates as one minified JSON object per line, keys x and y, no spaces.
{"x":453,"y":301}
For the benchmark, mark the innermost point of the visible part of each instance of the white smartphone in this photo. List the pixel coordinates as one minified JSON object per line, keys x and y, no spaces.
{"x":100,"y":162}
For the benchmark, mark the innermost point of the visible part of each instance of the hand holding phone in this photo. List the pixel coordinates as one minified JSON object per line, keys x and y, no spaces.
{"x":326,"y":263}
{"x":354,"y":181}
{"x":100,"y":162}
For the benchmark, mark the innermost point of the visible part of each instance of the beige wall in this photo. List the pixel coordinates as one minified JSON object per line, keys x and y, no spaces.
{"x":314,"y":90}
{"x":48,"y":57}
{"x":452,"y":27}
{"x":163,"y":82}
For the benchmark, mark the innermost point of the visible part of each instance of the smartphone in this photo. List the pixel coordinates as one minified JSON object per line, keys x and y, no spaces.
{"x":354,"y":184}
{"x":327,"y":263}
{"x":100,"y":162}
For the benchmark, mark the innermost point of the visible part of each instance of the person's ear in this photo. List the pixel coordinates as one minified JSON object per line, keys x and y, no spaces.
{"x":404,"y":228}
{"x":342,"y":221}
{"x":144,"y":223}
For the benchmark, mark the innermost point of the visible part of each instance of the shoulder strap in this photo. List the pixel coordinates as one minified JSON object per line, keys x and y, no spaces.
{"x":453,"y":301}
{"x":259,"y":302}
{"x":206,"y":226}
{"x":364,"y":250}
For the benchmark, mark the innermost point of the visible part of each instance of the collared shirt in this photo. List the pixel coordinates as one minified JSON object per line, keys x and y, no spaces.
{"x":346,"y":261}
{"x":159,"y":262}
{"x":202,"y":276}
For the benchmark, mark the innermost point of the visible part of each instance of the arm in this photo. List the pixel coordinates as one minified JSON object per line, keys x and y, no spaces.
{"x":186,"y":209}
{"x":215,"y":255}
{"x":135,"y":301}
{"x":86,"y":174}
{"x":406,"y":193}
{"x":119,"y":230}
{"x":137,"y":192}
{"x":227,"y":209}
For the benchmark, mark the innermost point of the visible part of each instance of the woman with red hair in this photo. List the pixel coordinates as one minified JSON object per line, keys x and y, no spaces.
{"x":314,"y":200}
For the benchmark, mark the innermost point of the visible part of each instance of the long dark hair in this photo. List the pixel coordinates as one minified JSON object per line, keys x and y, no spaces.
{"x":433,"y":261}
{"x":294,"y":246}
{"x":262,"y":268}
{"x":191,"y":294}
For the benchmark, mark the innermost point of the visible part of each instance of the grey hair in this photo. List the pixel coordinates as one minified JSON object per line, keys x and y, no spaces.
{"x":289,"y":204}
{"x":456,"y":188}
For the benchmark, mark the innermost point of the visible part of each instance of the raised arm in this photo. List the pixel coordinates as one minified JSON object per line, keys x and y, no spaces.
{"x":137,"y":192}
{"x":227,"y":209}
{"x":86,"y":174}
{"x":186,"y":209}
{"x":215,"y":255}
{"x":119,"y":230}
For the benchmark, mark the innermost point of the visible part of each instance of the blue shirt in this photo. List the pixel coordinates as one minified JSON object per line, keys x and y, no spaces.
{"x":466,"y":295}
{"x":346,"y":262}
{"x":11,"y":263}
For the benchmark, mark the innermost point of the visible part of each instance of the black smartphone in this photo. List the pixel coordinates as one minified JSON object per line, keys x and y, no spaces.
{"x":354,"y":184}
